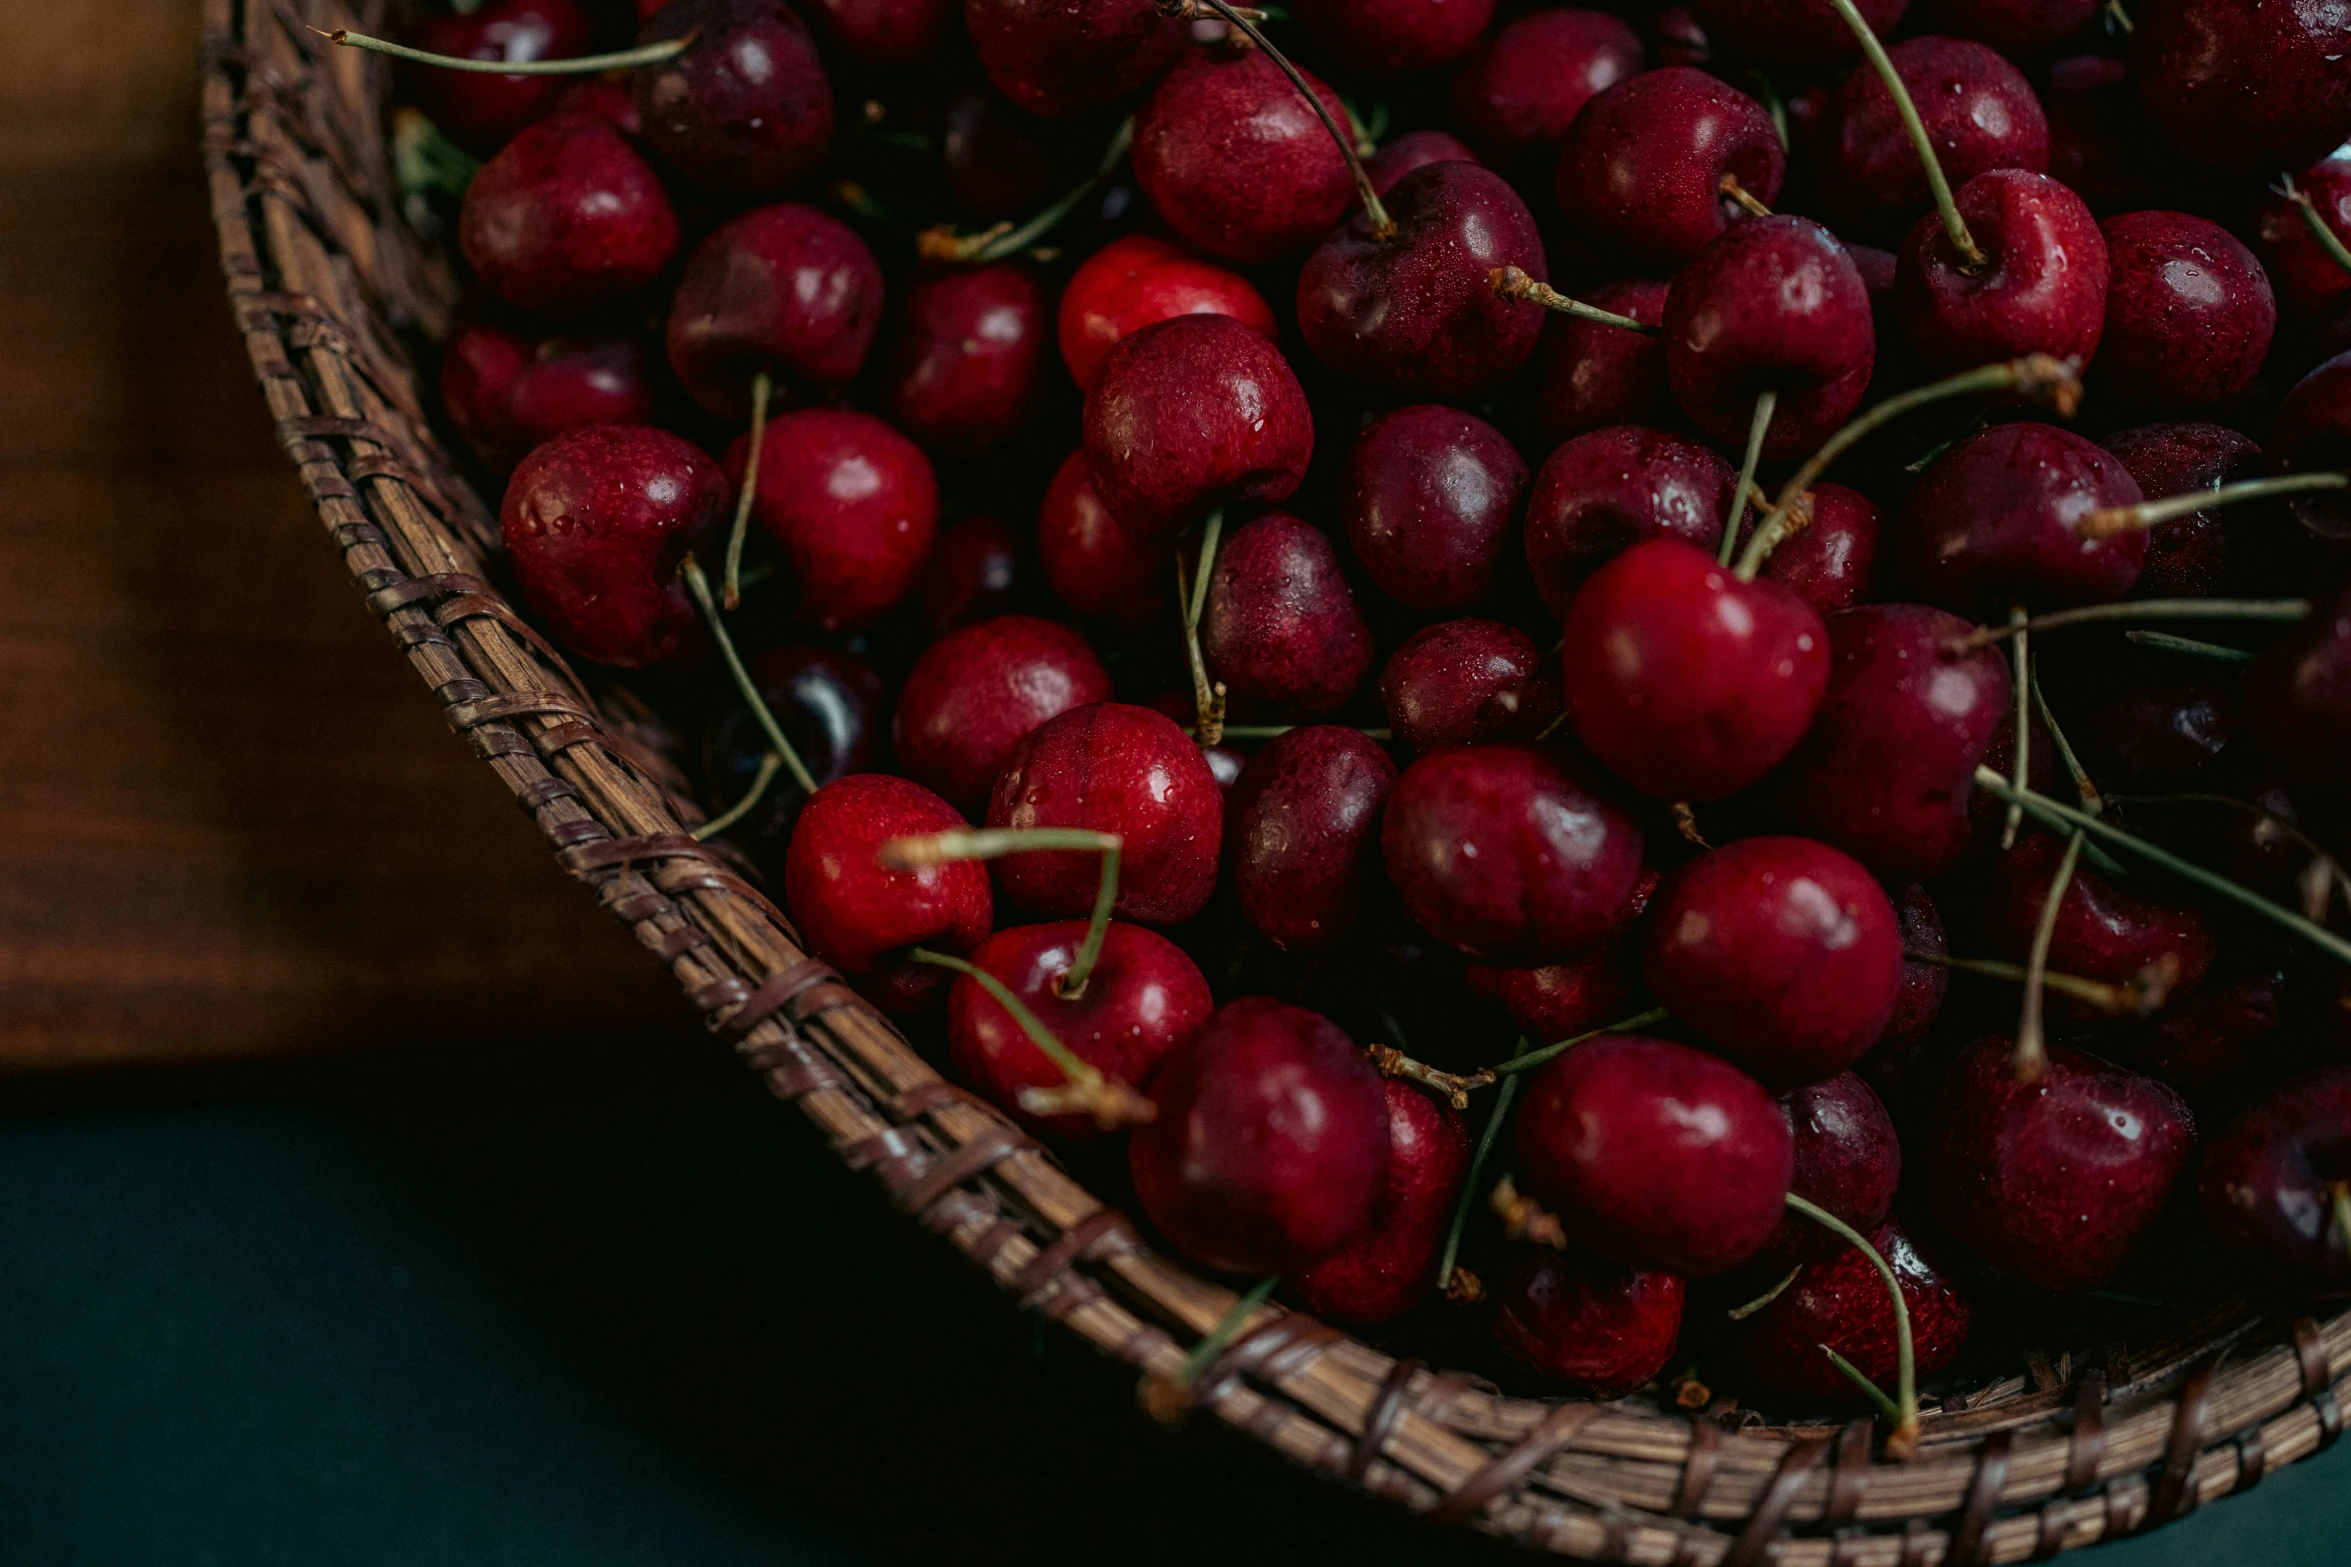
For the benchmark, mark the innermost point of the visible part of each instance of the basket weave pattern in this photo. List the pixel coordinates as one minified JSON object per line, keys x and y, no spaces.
{"x":324,"y":276}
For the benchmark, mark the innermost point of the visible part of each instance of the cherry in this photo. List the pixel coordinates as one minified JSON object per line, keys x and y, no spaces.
{"x":2237,"y":87}
{"x":1099,"y":568}
{"x":884,"y":35}
{"x":1281,"y":630}
{"x":1391,"y":1267}
{"x":2042,"y":288}
{"x":1832,"y":563}
{"x":2187,"y":557}
{"x":2298,"y":703}
{"x":2312,"y":434}
{"x":1589,"y":375}
{"x":965,"y":365}
{"x":783,"y":291}
{"x":2310,"y":283}
{"x":1516,"y":96}
{"x":1136,"y":280}
{"x":2103,"y":932}
{"x":976,"y":693}
{"x":1656,"y":1155}
{"x":480,"y":112}
{"x":1576,"y":1319}
{"x":1190,"y":414}
{"x":1110,"y":767}
{"x":2019,"y":29}
{"x":1848,"y":1160}
{"x":596,"y":523}
{"x":1143,"y":999}
{"x":853,"y":507}
{"x":2188,"y":314}
{"x":565,"y":218}
{"x":1791,"y":32}
{"x":1840,"y":1303}
{"x":1888,"y":767}
{"x":1780,"y":953}
{"x":1562,"y":1000}
{"x":1235,"y":162}
{"x":1301,"y":837}
{"x":747,"y":110}
{"x":1642,"y":170}
{"x":1675,"y":37}
{"x":2096,"y":143}
{"x":1069,"y":58}
{"x":829,"y":704}
{"x":1684,"y":681}
{"x":1394,"y":37}
{"x":2053,"y":1181}
{"x":1467,"y":682}
{"x":508,"y":390}
{"x":1508,"y":853}
{"x":1920,"y":996}
{"x":1000,"y":164}
{"x":1600,"y":494}
{"x":859,"y":915}
{"x":1413,"y":150}
{"x":602,"y":99}
{"x":1997,"y":520}
{"x":2157,"y":736}
{"x":1429,"y":498}
{"x":2268,"y":1184}
{"x":1270,"y":1149}
{"x":1978,"y":109}
{"x":2217,"y":1040}
{"x":973,"y":574}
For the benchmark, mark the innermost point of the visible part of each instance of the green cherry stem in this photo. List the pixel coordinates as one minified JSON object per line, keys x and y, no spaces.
{"x":947,"y":243}
{"x":1767,"y":402}
{"x":2275,"y":610}
{"x":1954,"y":226}
{"x":1902,"y":1441}
{"x":2107,"y":521}
{"x":2165,"y":642}
{"x":923,"y":850}
{"x":1742,"y":1313}
{"x":2031,"y":1061}
{"x":577,"y":65}
{"x":1110,"y":1102}
{"x":2328,"y":240}
{"x":1513,"y":283}
{"x":1207,"y":697}
{"x":699,"y":585}
{"x":769,"y":765}
{"x":2092,"y":800}
{"x":1875,"y":1394}
{"x":1169,"y":1400}
{"x":2020,"y":651}
{"x":2137,"y":998}
{"x":1535,"y":1058}
{"x":1469,"y":1186}
{"x":762,"y":386}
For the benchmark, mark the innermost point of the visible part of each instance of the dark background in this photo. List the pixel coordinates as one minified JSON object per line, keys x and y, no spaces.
{"x":364,"y":1195}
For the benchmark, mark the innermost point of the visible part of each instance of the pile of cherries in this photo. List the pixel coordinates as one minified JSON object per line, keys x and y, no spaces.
{"x":1446,"y":798}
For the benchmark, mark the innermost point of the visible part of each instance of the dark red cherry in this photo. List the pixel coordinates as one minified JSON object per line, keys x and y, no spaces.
{"x":2188,"y":314}
{"x":1137,"y":279}
{"x":1924,"y":984}
{"x":1978,"y":109}
{"x":1393,"y":37}
{"x":2052,"y":1182}
{"x":1832,"y":564}
{"x":1235,"y":160}
{"x":1190,"y":414}
{"x":1068,"y":58}
{"x":830,"y":706}
{"x":2243,"y":88}
{"x":1302,"y":834}
{"x":860,"y":916}
{"x":479,"y":111}
{"x":1595,"y":1325}
{"x":1412,"y":150}
{"x":1429,"y":498}
{"x":1392,"y":1266}
{"x":1271,"y":1144}
{"x":1468,"y":682}
{"x":596,"y":523}
{"x":1589,"y":375}
{"x":2266,"y":1186}
{"x":782,"y":289}
{"x":1839,"y":1303}
{"x":1099,"y":568}
{"x":2298,"y":703}
{"x":509,"y":390}
{"x":1656,"y":1155}
{"x":1110,"y":767}
{"x":1791,"y":32}
{"x":966,"y":362}
{"x":1508,"y":853}
{"x":1996,"y":520}
{"x":852,"y":507}
{"x":973,"y":574}
{"x":565,"y":218}
{"x":604,"y":99}
{"x":1415,"y":314}
{"x":2097,"y":147}
{"x":2310,"y":283}
{"x":2215,"y":1042}
{"x":2103,"y":932}
{"x":1600,"y":494}
{"x":2157,"y":736}
{"x":745,"y":111}
{"x":2187,"y":557}
{"x":1561,"y":1000}
{"x":1000,"y":164}
{"x":976,"y":693}
{"x":1888,"y":767}
{"x":1641,"y":173}
{"x":884,"y":34}
{"x":2019,"y":29}
{"x":2312,"y":434}
{"x":2042,"y":288}
{"x":1848,"y":1160}
{"x":1684,"y":681}
{"x":1514,"y":99}
{"x":1281,"y":629}
{"x":1143,"y":999}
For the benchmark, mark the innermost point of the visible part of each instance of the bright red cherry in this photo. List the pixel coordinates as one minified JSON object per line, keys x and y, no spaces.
{"x":1641,"y":171}
{"x":978,"y":692}
{"x":1594,"y":1325}
{"x":1136,"y":280}
{"x":1589,"y":375}
{"x":1468,"y":682}
{"x":860,"y":916}
{"x":966,"y":362}
{"x":1832,"y":564}
{"x":1281,"y":629}
{"x":1978,"y":109}
{"x":1997,"y":519}
{"x":852,"y":506}
{"x":784,"y":289}
{"x":2042,"y":288}
{"x":508,"y":390}
{"x":2242,"y":87}
{"x":478,"y":111}
{"x":2266,"y":1185}
{"x":2189,"y":314}
{"x":1392,"y":1265}
{"x":973,"y":574}
{"x":565,"y":218}
{"x":1099,"y":568}
{"x":747,"y":111}
{"x":1429,"y":498}
{"x":1516,"y":96}
{"x":1066,"y":59}
{"x":1302,"y":835}
{"x":884,"y":35}
{"x":1791,"y":32}
{"x":1600,"y":494}
{"x":1840,"y":1303}
{"x":1848,"y":1160}
{"x":1234,"y":159}
{"x":1400,"y":155}
{"x":1394,"y":37}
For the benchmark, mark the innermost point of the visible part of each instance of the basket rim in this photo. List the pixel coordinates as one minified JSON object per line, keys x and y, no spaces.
{"x":320,"y":269}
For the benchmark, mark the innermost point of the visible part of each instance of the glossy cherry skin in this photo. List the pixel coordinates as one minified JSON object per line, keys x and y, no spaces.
{"x":2042,"y":289}
{"x":1979,"y":110}
{"x":480,"y":112}
{"x":1888,"y":766}
{"x":976,"y":693}
{"x":2310,"y":284}
{"x":2187,"y":557}
{"x":596,"y":523}
{"x":1656,"y":1155}
{"x":2298,"y":703}
{"x":1557,"y":1001}
{"x":1412,"y":150}
{"x":1392,"y":1265}
{"x":1467,"y":682}
{"x":565,"y":218}
{"x":785,"y":289}
{"x":1099,"y":568}
{"x":1832,"y":563}
{"x":852,"y":507}
{"x":2312,"y":434}
{"x":2189,"y":314}
{"x":831,"y":709}
{"x":1143,"y":999}
{"x":2240,"y":88}
{"x":508,"y":390}
{"x":1281,"y":629}
{"x":1137,"y":279}
{"x":2052,"y":1182}
{"x":1061,"y":59}
{"x":1302,"y":834}
{"x":2264,"y":1183}
{"x":1190,"y":414}
{"x":1840,"y":1302}
{"x":1600,"y":494}
{"x":1508,"y":853}
{"x":966,"y":362}
{"x":860,"y":916}
{"x":1415,"y":315}
{"x":1848,"y":1160}
{"x":1924,"y":984}
{"x":747,"y":110}
{"x":884,"y":34}
{"x":1791,"y":32}
{"x":1514,"y":99}
{"x":1110,"y":767}
{"x":1589,"y":375}
{"x":1393,"y":37}
{"x":1995,"y":521}
{"x":1271,"y":1144}
{"x":1429,"y":498}
{"x":1641,"y":170}
{"x":974,"y":573}
{"x":1685,"y":682}
{"x":2103,"y":932}
{"x":1235,"y":161}
{"x":1595,"y":1325}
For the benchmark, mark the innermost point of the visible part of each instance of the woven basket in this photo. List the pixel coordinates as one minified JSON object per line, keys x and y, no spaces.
{"x":325,"y":279}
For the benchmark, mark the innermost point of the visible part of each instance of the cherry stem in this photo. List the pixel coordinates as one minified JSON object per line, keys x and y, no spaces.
{"x":2107,"y":521}
{"x":2141,"y":996}
{"x":769,"y":765}
{"x":1193,"y":601}
{"x":2031,"y":1061}
{"x":1383,"y":227}
{"x":1110,"y":1102}
{"x":1954,"y":226}
{"x":1742,"y":1313}
{"x":2021,"y":677}
{"x":1455,"y":1086}
{"x":1767,"y":402}
{"x":1169,"y":1399}
{"x":1902,"y":1441}
{"x":2339,"y":1199}
{"x":1518,"y":284}
{"x":1469,"y":1185}
{"x":2328,"y":240}
{"x":1767,"y":93}
{"x":761,"y":387}
{"x":577,"y":65}
{"x":2092,"y":801}
{"x":1535,"y":1058}
{"x":923,"y":850}
{"x":2164,"y":641}
{"x":1729,"y":185}
{"x":947,"y":243}
{"x":1523,"y":1218}
{"x":2276,"y":610}
{"x":2270,"y":823}
{"x":2122,"y":18}
{"x":699,"y":585}
{"x":2049,"y":381}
